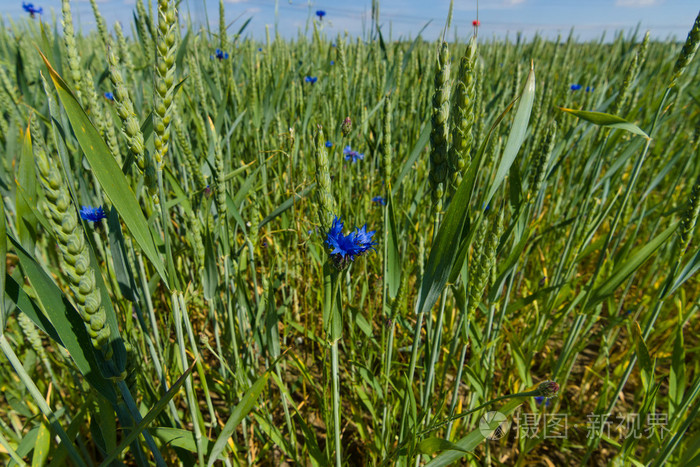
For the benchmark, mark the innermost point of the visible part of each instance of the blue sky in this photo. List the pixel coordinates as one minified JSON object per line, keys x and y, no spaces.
{"x":589,"y":18}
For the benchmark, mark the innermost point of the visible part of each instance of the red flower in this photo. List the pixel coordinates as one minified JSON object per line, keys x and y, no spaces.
{"x":476,"y":23}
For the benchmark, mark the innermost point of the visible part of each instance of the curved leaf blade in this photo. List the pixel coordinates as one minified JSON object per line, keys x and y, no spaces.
{"x":63,"y":322}
{"x":626,"y":268}
{"x":473,"y":439}
{"x":517,"y":133}
{"x":608,"y":120}
{"x":150,"y":416}
{"x":107,"y":171}
{"x":239,"y":413}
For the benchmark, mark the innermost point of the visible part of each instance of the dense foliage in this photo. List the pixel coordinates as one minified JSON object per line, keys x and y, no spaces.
{"x":343,"y":244}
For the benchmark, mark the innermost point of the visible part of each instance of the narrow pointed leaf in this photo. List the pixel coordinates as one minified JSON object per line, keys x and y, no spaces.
{"x":64,"y":319}
{"x":473,"y":439}
{"x":430,"y":446}
{"x":608,"y":120}
{"x":3,"y":265}
{"x":626,"y":268}
{"x":239,"y":413}
{"x":150,"y":416}
{"x":26,"y":193}
{"x":107,"y":171}
{"x":517,"y":133}
{"x":179,"y":438}
{"x":393,"y":260}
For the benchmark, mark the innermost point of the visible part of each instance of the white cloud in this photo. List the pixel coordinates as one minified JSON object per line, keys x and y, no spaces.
{"x":637,"y":3}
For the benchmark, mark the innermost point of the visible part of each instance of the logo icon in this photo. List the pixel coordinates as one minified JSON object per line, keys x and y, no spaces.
{"x":494,"y":425}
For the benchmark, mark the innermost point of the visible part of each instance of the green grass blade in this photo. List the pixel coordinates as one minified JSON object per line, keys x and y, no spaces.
{"x":26,"y":193}
{"x":3,"y":265}
{"x":607,"y":120}
{"x":517,"y":133}
{"x":179,"y":438}
{"x":67,"y":323}
{"x":625,"y":269}
{"x":415,"y":152}
{"x":688,"y":271}
{"x":122,"y":271}
{"x":393,"y":260}
{"x":473,"y":439}
{"x":107,"y":172}
{"x":239,"y":413}
{"x":286,"y":205}
{"x":442,"y":253}
{"x":27,"y":305}
{"x":150,"y":416}
{"x":430,"y":446}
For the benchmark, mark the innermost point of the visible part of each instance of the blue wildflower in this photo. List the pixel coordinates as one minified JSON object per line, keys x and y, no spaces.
{"x":575,"y":87}
{"x":109,"y":96}
{"x":320,"y":14}
{"x":540,"y":399}
{"x":589,"y":89}
{"x":334,"y":44}
{"x":311,"y":79}
{"x":90,"y":214}
{"x":344,"y":248}
{"x":31,"y":9}
{"x":379,"y":200}
{"x":329,"y":144}
{"x":221,"y":55}
{"x":259,"y":49}
{"x":351,"y":155}
{"x":332,"y":62}
{"x":363,"y":239}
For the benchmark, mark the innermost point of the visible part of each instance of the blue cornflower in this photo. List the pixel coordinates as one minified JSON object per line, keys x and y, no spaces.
{"x":259,"y":49}
{"x":351,"y":155}
{"x":334,"y":44}
{"x":344,"y":248}
{"x":589,"y":89}
{"x":109,"y":96}
{"x":221,"y":55}
{"x":332,"y":62}
{"x":379,"y":200}
{"x":363,"y":239}
{"x":540,"y":399}
{"x":575,"y":87}
{"x":90,"y":214}
{"x":311,"y":79}
{"x":320,"y":14}
{"x":329,"y":144}
{"x":31,"y":9}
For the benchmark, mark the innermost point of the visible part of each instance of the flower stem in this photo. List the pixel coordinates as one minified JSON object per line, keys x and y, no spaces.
{"x":336,"y":402}
{"x":534,"y":393}
{"x":333,"y":323}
